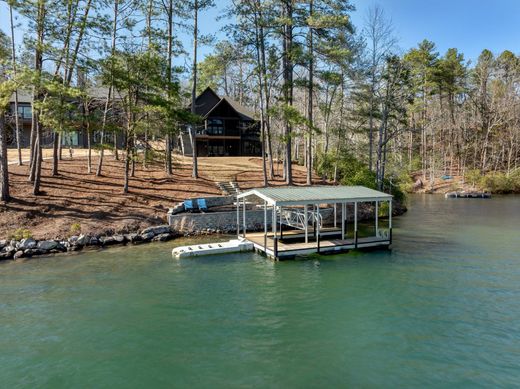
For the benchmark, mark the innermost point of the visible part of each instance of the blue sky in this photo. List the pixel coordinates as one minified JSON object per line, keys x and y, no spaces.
{"x":469,"y":25}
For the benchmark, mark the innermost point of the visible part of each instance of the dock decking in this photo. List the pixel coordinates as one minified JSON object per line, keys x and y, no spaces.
{"x":289,"y":248}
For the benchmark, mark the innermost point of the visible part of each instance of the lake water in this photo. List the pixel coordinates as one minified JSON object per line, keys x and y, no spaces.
{"x":442,"y":309}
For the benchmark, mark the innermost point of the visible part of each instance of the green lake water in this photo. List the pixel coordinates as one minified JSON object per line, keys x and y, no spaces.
{"x":442,"y":309}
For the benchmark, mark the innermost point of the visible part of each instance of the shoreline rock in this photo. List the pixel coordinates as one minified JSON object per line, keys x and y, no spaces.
{"x":29,"y":247}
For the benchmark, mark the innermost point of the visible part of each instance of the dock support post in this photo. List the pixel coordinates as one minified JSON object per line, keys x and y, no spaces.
{"x":306,"y":221}
{"x":335,"y":215}
{"x":275,"y":238}
{"x":343,"y":206}
{"x":318,"y":227}
{"x":244,"y":216}
{"x":238,"y":218}
{"x":377,"y":218}
{"x":390,"y":220}
{"x":355,"y":225}
{"x":281,"y":230}
{"x":265,"y":226}
{"x":314,"y":221}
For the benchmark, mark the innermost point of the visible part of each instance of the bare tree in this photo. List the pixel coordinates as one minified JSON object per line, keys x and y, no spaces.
{"x":380,"y":42}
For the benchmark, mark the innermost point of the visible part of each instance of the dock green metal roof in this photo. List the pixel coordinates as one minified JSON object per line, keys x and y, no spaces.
{"x":301,"y":195}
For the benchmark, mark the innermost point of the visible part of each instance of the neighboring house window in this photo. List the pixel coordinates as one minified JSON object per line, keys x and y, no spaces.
{"x":70,"y":138}
{"x":215,"y":127}
{"x":215,"y":150}
{"x":25,"y":111}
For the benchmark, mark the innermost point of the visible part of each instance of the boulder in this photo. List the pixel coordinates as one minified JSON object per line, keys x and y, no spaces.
{"x":147,"y":236}
{"x":107,"y":240}
{"x":9,"y":249}
{"x":6,"y":255}
{"x":46,"y":245}
{"x":119,"y":238}
{"x":26,"y":244}
{"x":18,"y":254}
{"x":163,"y":237}
{"x":73,"y":239}
{"x":156,"y":230}
{"x":59,"y":248}
{"x":83,"y":240}
{"x":133,"y":238}
{"x":31,"y":252}
{"x":94,"y":241}
{"x":3,"y":243}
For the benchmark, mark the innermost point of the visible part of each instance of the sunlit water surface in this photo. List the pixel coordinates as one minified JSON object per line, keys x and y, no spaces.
{"x":442,"y":309}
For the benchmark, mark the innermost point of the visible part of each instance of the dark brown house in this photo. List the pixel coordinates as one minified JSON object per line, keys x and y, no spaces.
{"x":228,"y":128}
{"x":77,"y":138}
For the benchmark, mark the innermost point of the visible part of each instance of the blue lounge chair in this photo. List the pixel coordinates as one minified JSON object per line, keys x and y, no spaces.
{"x":201,"y":203}
{"x":188,"y":206}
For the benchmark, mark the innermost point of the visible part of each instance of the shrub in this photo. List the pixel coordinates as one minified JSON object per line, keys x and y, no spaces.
{"x":75,"y":228}
{"x":21,"y":233}
{"x":351,"y":171}
{"x":473,"y":177}
{"x":498,"y":183}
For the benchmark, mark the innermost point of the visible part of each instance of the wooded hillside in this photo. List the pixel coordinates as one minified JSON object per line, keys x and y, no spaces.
{"x":336,"y":98}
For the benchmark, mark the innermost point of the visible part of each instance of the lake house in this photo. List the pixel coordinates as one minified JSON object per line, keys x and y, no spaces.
{"x":228,"y":128}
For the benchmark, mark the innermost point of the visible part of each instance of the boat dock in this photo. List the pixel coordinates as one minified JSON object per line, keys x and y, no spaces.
{"x":467,"y":195}
{"x":299,"y":225}
{"x":302,"y":220}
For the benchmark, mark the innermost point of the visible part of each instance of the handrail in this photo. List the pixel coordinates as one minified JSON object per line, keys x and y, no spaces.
{"x":296,"y":218}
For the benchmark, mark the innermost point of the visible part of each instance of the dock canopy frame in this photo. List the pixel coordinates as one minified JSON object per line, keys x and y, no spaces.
{"x":302,"y":195}
{"x":311,"y":197}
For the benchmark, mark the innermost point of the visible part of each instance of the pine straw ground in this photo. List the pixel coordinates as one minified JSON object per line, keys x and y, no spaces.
{"x":98,"y":204}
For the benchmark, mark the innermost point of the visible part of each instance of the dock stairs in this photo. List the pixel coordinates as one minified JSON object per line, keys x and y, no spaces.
{"x":229,"y":188}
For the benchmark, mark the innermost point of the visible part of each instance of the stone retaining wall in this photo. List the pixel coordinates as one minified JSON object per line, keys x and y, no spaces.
{"x":225,"y":222}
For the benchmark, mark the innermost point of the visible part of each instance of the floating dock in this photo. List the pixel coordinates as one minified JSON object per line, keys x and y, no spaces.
{"x":233,"y":246}
{"x":467,"y":195}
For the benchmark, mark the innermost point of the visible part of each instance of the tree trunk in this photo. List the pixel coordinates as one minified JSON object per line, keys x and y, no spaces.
{"x":168,"y":147}
{"x":193,"y":134}
{"x":38,"y":162}
{"x":261,"y":91}
{"x":16,"y":118}
{"x":288,"y":85}
{"x":116,"y":147}
{"x":55,"y":153}
{"x":168,"y":136}
{"x":109,"y":93}
{"x":4,"y":170}
{"x":310,"y":97}
{"x":38,"y":60}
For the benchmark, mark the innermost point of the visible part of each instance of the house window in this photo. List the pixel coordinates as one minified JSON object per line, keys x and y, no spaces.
{"x":70,"y":138}
{"x":25,"y":111}
{"x":215,"y":127}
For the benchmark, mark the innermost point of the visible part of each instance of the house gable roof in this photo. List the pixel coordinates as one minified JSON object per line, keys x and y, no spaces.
{"x":208,"y":101}
{"x":205,"y":102}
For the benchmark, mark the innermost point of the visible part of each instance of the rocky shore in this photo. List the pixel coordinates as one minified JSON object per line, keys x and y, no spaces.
{"x":29,"y":247}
